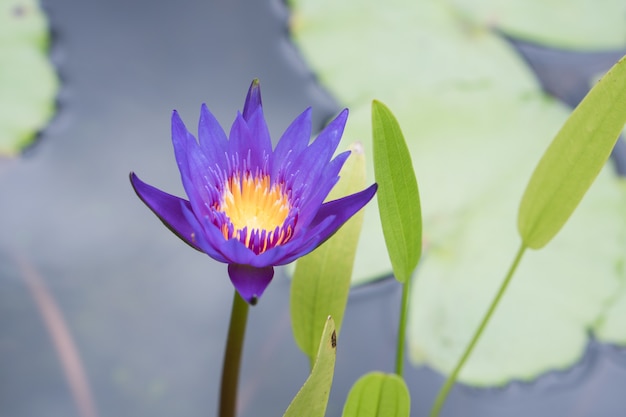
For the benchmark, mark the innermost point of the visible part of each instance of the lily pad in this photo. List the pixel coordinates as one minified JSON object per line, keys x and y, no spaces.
{"x":476,"y":122}
{"x":557,"y":296}
{"x":28,"y":82}
{"x":575,"y":24}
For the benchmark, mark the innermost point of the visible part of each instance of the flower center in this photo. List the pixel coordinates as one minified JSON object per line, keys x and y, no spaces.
{"x":257,"y":211}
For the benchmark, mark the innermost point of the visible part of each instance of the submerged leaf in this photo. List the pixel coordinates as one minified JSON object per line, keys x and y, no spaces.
{"x":378,"y":395}
{"x":398,"y":196}
{"x":321,"y":280}
{"x":312,"y":398}
{"x":573,"y":160}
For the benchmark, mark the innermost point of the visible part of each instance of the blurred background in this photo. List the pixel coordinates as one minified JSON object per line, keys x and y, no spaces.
{"x":103,"y":312}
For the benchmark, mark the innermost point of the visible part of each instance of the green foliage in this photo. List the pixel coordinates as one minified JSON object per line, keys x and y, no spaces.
{"x":312,"y":398}
{"x":28,"y":83}
{"x":321,"y":281}
{"x":580,"y":24}
{"x":398,"y":195}
{"x":574,"y":159}
{"x":466,"y":95}
{"x":483,"y":122}
{"x":378,"y":395}
{"x":558,"y":296}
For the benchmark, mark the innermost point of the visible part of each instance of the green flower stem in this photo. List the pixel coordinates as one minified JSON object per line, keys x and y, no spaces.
{"x":404,"y":308}
{"x":232,"y":357}
{"x":443,"y":393}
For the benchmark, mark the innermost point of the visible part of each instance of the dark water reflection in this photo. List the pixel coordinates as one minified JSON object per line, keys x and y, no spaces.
{"x":147,"y":314}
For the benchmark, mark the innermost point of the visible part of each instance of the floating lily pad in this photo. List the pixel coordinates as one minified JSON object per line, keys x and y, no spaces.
{"x":576,"y":24}
{"x":28,"y":82}
{"x":476,"y":123}
{"x":557,"y":296}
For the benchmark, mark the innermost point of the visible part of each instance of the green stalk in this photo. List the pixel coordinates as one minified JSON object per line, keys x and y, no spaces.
{"x":443,"y":393}
{"x":232,"y":357}
{"x":404,"y":308}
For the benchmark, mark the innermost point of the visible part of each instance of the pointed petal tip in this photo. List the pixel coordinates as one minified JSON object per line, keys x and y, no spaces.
{"x":253,"y":99}
{"x":179,"y":130}
{"x":134,"y":180}
{"x":250,"y":282}
{"x":343,"y":116}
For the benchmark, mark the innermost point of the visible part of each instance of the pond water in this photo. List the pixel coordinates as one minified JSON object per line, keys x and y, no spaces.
{"x":147,"y":315}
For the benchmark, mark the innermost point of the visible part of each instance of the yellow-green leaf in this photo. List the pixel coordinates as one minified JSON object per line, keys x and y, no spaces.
{"x":321,"y":281}
{"x":574,"y":159}
{"x":312,"y":398}
{"x":398,"y":196}
{"x":28,"y":83}
{"x":378,"y":395}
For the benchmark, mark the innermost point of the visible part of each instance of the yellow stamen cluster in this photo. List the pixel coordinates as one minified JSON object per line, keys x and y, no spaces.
{"x":252,"y":202}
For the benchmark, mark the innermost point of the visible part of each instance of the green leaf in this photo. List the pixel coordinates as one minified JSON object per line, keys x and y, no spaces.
{"x":460,"y":94}
{"x":28,"y":83}
{"x":312,"y":398}
{"x":573,"y":160}
{"x":321,"y":281}
{"x":378,"y":395}
{"x":483,"y":122}
{"x":579,"y":24}
{"x":398,"y":196}
{"x":559,"y":295}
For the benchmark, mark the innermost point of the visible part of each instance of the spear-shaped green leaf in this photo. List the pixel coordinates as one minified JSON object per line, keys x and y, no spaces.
{"x":312,"y":398}
{"x":398,"y":196}
{"x":321,"y":281}
{"x":573,"y":160}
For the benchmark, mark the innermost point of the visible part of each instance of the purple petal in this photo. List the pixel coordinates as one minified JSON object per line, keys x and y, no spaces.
{"x":253,"y":99}
{"x":240,"y":138}
{"x":249,"y":281}
{"x":330,"y":136}
{"x":292,"y":143}
{"x":236,"y":252}
{"x":202,"y":240}
{"x":168,"y":208}
{"x":341,"y":210}
{"x":324,"y":228}
{"x":261,"y":144}
{"x":213,"y":140}
{"x":194,"y":168}
{"x":312,"y":161}
{"x":305,"y":243}
{"x":181,"y":139}
{"x":317,"y":189}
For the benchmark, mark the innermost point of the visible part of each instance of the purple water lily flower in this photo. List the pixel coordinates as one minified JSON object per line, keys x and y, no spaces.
{"x":249,"y":206}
